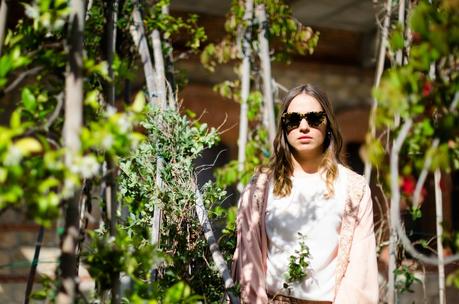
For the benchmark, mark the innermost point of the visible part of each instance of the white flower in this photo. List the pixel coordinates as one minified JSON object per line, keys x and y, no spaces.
{"x":107,"y":142}
{"x":86,"y":166}
{"x":13,"y":157}
{"x":68,"y":189}
{"x":89,"y":166}
{"x":123,"y":124}
{"x":111,"y":110}
{"x":32,"y":11}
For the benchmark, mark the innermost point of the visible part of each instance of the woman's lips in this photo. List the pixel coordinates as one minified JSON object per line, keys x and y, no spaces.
{"x":304,"y":137}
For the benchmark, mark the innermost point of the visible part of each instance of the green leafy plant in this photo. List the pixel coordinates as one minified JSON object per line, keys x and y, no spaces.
{"x":405,"y":278}
{"x":299,"y":262}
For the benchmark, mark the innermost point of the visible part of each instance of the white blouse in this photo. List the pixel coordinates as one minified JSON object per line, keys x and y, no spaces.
{"x":318,"y":219}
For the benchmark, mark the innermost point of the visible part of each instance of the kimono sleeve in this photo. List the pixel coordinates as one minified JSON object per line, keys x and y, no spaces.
{"x":360,"y":282}
{"x":247,"y":268}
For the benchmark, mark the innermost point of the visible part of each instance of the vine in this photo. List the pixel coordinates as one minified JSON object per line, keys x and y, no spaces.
{"x":417,"y":106}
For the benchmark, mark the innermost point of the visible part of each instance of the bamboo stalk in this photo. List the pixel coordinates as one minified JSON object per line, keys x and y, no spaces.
{"x":245,"y":85}
{"x":217,"y":256}
{"x":378,"y":74}
{"x":71,"y":133}
{"x":439,"y":221}
{"x":3,"y":18}
{"x":268,"y":114}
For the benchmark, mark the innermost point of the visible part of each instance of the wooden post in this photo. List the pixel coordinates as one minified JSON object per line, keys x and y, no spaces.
{"x":245,"y":37}
{"x":71,"y":134}
{"x":268,"y":111}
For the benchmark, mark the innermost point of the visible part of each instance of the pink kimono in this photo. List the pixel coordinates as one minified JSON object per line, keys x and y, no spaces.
{"x":356,"y":271}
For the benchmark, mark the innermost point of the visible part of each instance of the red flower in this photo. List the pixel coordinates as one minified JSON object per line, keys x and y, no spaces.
{"x":416,"y":37}
{"x":408,"y":185}
{"x":426,"y":88}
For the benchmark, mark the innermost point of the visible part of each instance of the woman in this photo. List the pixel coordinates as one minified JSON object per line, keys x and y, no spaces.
{"x":305,"y":224}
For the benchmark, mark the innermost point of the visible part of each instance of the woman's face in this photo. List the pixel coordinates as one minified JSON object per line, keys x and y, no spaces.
{"x":305,"y":139}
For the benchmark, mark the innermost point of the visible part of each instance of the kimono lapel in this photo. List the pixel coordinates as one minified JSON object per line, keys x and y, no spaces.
{"x":348,"y":224}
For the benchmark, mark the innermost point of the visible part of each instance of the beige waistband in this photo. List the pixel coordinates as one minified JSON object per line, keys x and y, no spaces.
{"x":280,"y":299}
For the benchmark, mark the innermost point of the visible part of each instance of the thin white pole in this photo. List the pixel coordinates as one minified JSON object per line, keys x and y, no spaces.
{"x":439,"y":221}
{"x":245,"y":86}
{"x":378,"y":74}
{"x":268,"y":113}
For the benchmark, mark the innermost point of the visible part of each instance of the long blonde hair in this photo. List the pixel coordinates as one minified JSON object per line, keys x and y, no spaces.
{"x":280,"y":164}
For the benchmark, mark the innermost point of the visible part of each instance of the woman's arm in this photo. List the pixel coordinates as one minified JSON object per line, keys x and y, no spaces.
{"x":360,"y":282}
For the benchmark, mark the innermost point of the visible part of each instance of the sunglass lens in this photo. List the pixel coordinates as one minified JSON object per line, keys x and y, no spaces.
{"x":315,"y":118}
{"x":291,"y":121}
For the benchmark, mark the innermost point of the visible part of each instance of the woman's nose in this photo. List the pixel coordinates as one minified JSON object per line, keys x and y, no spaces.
{"x":304,"y":125}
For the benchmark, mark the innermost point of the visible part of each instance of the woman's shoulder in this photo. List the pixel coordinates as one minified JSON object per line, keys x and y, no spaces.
{"x":259,"y":178}
{"x":354,"y":179}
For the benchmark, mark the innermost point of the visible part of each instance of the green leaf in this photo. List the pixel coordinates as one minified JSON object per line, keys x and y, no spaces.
{"x":15,"y":120}
{"x":415,"y":213}
{"x":29,"y":100}
{"x":396,"y":39}
{"x":453,"y":279}
{"x":28,"y":145}
{"x":139,"y":102}
{"x":3,"y":175}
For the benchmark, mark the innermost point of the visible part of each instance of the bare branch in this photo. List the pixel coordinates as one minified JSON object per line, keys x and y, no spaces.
{"x":21,"y":77}
{"x":57,"y":111}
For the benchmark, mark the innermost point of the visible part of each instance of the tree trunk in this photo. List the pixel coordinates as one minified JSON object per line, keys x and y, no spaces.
{"x":3,"y":18}
{"x":268,"y":114}
{"x":72,"y":128}
{"x":245,"y":84}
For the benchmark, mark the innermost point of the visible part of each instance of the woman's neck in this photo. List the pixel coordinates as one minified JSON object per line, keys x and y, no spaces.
{"x":306,"y":164}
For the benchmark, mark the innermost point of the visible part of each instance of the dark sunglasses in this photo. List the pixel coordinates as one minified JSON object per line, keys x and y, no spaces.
{"x":292,"y":120}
